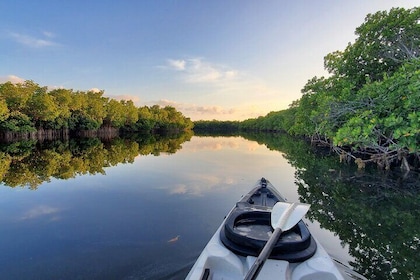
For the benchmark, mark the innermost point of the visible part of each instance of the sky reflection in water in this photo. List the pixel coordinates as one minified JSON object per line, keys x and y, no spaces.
{"x":145,"y":220}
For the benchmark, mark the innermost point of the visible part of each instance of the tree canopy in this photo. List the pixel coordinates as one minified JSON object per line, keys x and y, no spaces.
{"x":367,"y":108}
{"x":26,"y":107}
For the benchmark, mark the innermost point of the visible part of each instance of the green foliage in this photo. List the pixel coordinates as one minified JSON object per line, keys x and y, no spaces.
{"x":95,"y":106}
{"x":81,"y":121}
{"x":17,"y":122}
{"x":42,"y":108}
{"x":119,"y":114}
{"x":27,"y":105}
{"x":63,"y":100}
{"x":368,"y":108}
{"x":384,"y":42}
{"x":131,"y":113}
{"x":156,"y":118}
{"x":216,"y":126}
{"x":389,"y":115}
{"x":115,"y":114}
{"x":5,"y":161}
{"x":16,"y":95}
{"x":4,"y":111}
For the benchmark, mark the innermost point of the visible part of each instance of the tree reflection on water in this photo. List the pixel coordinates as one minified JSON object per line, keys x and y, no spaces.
{"x":375,"y":212}
{"x":29,"y":163}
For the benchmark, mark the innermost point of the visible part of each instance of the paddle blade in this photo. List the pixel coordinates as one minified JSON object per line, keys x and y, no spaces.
{"x":286,"y":215}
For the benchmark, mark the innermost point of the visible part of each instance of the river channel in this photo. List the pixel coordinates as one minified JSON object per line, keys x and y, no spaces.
{"x":144,"y":208}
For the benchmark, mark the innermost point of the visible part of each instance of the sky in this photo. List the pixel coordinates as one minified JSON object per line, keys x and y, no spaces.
{"x":215,"y":59}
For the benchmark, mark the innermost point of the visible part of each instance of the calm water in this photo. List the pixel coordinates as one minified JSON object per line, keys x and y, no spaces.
{"x":101,"y":213}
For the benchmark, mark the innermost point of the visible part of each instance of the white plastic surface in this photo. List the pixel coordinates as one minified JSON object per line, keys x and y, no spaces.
{"x":224,"y":264}
{"x":286,"y":215}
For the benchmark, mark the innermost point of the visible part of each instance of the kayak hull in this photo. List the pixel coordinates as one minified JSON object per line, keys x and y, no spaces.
{"x":237,"y":242}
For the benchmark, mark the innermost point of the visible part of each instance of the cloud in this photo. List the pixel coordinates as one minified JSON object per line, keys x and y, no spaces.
{"x":11,"y":78}
{"x":18,"y":80}
{"x":240,"y":95}
{"x":218,"y":110}
{"x":41,"y":211}
{"x":193,"y":109}
{"x":96,"y":90}
{"x":197,"y":112}
{"x":212,"y":144}
{"x":48,"y":34}
{"x":179,"y":189}
{"x":135,"y":99}
{"x":200,"y":184}
{"x":198,"y":70}
{"x":197,"y":184}
{"x":177,"y":64}
{"x":34,"y":42}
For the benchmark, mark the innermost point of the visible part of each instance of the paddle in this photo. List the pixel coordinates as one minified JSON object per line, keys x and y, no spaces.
{"x":284,"y":216}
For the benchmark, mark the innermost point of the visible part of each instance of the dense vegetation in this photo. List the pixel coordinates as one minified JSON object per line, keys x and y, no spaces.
{"x":367,"y":110}
{"x":216,"y":126}
{"x":28,"y":107}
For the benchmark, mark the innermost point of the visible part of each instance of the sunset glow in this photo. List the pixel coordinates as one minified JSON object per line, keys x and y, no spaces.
{"x":225,"y":60}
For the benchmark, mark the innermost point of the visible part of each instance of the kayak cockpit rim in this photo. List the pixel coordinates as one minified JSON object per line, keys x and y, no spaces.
{"x":247,"y":228}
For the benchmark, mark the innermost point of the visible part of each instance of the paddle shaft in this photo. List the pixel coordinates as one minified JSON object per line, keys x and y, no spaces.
{"x":263,"y":256}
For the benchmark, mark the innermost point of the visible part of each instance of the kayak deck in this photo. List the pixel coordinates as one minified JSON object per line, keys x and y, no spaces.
{"x":263,"y":195}
{"x":248,"y":227}
{"x":236,"y":244}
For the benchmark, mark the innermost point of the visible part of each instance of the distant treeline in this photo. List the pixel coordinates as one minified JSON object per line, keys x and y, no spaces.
{"x":27,"y":107}
{"x":367,"y":109}
{"x":217,"y":126}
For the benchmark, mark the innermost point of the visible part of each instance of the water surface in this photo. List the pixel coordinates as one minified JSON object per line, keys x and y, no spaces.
{"x":147,"y":215}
